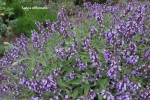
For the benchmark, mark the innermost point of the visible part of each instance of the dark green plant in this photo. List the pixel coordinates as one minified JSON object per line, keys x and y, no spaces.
{"x":80,"y":2}
{"x":6,"y":30}
{"x":6,"y":25}
{"x":26,"y":23}
{"x":5,"y":12}
{"x":17,"y":9}
{"x":2,"y":50}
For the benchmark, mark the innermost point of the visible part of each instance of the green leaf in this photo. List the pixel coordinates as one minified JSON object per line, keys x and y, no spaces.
{"x":31,"y":62}
{"x":29,"y":73}
{"x":102,"y":83}
{"x":100,"y":97}
{"x":62,"y":84}
{"x":74,"y":95}
{"x":3,"y":3}
{"x":42,"y":60}
{"x":90,"y":72}
{"x":11,"y":13}
{"x":86,"y":90}
{"x":75,"y":81}
{"x":68,"y":71}
{"x":80,"y":90}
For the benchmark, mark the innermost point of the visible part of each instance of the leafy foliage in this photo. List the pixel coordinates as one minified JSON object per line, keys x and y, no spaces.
{"x":17,"y":9}
{"x":6,"y":24}
{"x":2,"y":50}
{"x":104,"y":54}
{"x":27,"y":23}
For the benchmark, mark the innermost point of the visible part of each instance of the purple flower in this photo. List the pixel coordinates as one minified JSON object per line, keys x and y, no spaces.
{"x":54,"y":26}
{"x":113,"y":72}
{"x":99,"y":18}
{"x":93,"y":31}
{"x":91,"y":95}
{"x":10,"y":57}
{"x":66,"y":97}
{"x":47,"y":84}
{"x":107,"y":95}
{"x":125,"y":97}
{"x":72,"y":75}
{"x":60,"y":52}
{"x":71,"y":26}
{"x":80,"y":98}
{"x":98,"y":73}
{"x":56,"y":72}
{"x":111,"y":37}
{"x":70,"y":52}
{"x":142,"y":70}
{"x":107,"y":54}
{"x":75,"y":42}
{"x":122,"y":86}
{"x":86,"y":43}
{"x":146,"y":55}
{"x":23,"y":44}
{"x":144,"y":94}
{"x":94,"y":57}
{"x":36,"y":41}
{"x":81,"y":64}
{"x":132,"y":59}
{"x":87,"y":5}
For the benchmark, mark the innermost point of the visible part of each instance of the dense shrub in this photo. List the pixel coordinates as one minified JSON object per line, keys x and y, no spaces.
{"x":80,"y":2}
{"x":2,"y":50}
{"x":17,"y":9}
{"x":105,"y":54}
{"x":27,"y":23}
{"x":6,"y":24}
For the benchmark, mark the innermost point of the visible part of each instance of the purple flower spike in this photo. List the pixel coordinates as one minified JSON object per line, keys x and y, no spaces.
{"x":113,"y":72}
{"x":36,"y":41}
{"x":132,"y":59}
{"x":72,"y":75}
{"x":93,"y":31}
{"x":94,"y":57}
{"x":86,"y":43}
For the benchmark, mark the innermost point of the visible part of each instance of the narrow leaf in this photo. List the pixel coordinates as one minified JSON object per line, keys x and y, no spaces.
{"x":75,"y":81}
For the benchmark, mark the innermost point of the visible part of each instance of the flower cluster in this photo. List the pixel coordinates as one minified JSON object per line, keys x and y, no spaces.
{"x":93,"y":31}
{"x":94,"y":57}
{"x":47,"y":84}
{"x":146,"y":55}
{"x":107,"y":54}
{"x":81,"y":64}
{"x":111,"y":37}
{"x":10,"y":88}
{"x":60,"y":52}
{"x":141,"y":70}
{"x":126,"y":84}
{"x":91,"y":95}
{"x":23,"y":43}
{"x":86,"y":43}
{"x":132,"y":59}
{"x":36,"y":41}
{"x":65,"y":54}
{"x":72,"y":75}
{"x":113,"y":72}
{"x":107,"y":95}
{"x":145,"y":94}
{"x":10,"y":57}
